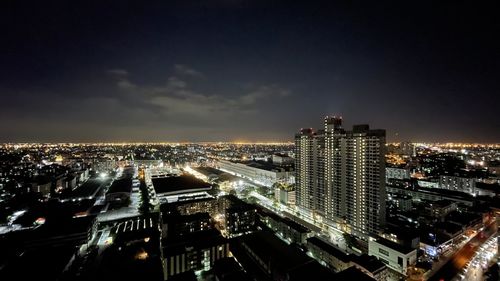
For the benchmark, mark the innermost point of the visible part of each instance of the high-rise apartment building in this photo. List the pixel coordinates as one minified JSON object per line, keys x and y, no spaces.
{"x":341,"y":175}
{"x":309,"y":163}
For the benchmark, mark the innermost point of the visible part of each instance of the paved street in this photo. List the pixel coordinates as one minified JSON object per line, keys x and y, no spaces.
{"x":464,"y":255}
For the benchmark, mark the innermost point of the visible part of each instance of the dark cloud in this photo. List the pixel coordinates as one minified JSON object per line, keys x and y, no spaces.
{"x":175,"y":97}
{"x":118,"y":72}
{"x":182,"y":69}
{"x":172,"y":110}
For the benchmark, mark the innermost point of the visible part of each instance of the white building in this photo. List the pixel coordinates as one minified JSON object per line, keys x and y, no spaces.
{"x":402,"y":202}
{"x":257,"y":171}
{"x":463,"y":184}
{"x":281,"y":159}
{"x":396,"y":256}
{"x":428,"y":184}
{"x":396,"y":173}
{"x":285,"y":196}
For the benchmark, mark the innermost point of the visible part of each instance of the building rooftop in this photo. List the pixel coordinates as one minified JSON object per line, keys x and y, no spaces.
{"x":121,"y":185}
{"x":402,"y":232}
{"x":270,"y":248}
{"x":197,"y":240}
{"x":294,"y":225}
{"x":236,"y":204}
{"x":395,"y":246}
{"x":179,"y":185}
{"x":176,"y":222}
{"x":460,"y":196}
{"x":264,"y":165}
{"x":354,"y":274}
{"x":207,"y":171}
{"x":227,"y":269}
{"x":370,"y":263}
{"x":312,"y":271}
{"x":87,"y":189}
{"x":301,"y":221}
{"x":280,"y":259}
{"x":441,"y":203}
{"x":329,"y":248}
{"x":167,"y":208}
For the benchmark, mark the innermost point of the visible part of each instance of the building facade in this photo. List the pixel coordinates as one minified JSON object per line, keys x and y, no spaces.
{"x":327,"y":253}
{"x":397,"y":173}
{"x":309,"y":170}
{"x":463,"y":184}
{"x":285,"y":196}
{"x":341,"y":174}
{"x":395,"y":256}
{"x":402,"y":202}
{"x":258,"y":171}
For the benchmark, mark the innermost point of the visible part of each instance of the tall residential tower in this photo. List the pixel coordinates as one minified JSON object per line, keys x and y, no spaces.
{"x":309,"y":170}
{"x":341,"y":174}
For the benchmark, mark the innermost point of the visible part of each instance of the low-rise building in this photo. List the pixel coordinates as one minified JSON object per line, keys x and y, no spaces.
{"x":433,"y":194}
{"x":396,"y":173}
{"x":354,"y":274}
{"x":181,"y":225}
{"x":120,"y":190}
{"x":260,"y":172}
{"x":463,"y":184}
{"x":327,"y":253}
{"x":44,"y":188}
{"x":286,"y":228}
{"x":227,"y":269}
{"x":239,"y":216}
{"x":402,"y":202}
{"x":394,"y":255}
{"x":282,"y":159}
{"x":285,"y":195}
{"x":402,"y":235}
{"x":170,"y":188}
{"x":371,"y":266}
{"x":188,"y":205}
{"x":197,"y":251}
{"x":70,"y":232}
{"x":266,"y":257}
{"x":439,"y":209}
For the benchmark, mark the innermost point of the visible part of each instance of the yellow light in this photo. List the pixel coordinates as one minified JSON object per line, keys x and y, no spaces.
{"x":141,"y":255}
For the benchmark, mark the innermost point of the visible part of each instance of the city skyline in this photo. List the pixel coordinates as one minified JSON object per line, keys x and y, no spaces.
{"x":339,"y":204}
{"x":246,"y":71}
{"x":249,"y":140}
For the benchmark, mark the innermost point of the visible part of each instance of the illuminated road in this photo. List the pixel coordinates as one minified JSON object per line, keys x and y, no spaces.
{"x":464,"y":255}
{"x":480,"y":262}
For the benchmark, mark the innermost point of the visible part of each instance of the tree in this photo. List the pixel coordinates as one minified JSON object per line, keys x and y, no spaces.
{"x":350,"y":240}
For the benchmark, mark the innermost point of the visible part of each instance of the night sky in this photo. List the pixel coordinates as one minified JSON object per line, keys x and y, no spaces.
{"x":247,"y":70}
